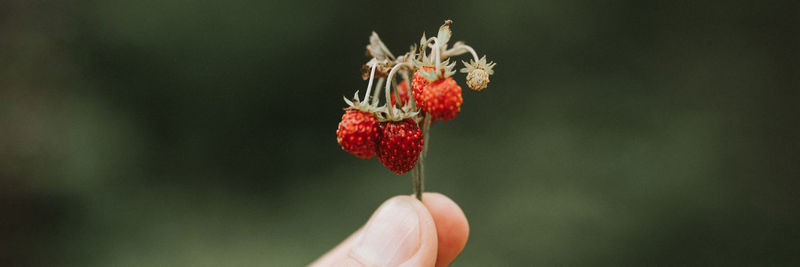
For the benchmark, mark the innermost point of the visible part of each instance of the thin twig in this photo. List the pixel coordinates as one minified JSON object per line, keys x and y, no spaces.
{"x":426,"y":133}
{"x":419,"y":171}
{"x":377,"y":91}
{"x":417,"y":179}
{"x":369,"y":86}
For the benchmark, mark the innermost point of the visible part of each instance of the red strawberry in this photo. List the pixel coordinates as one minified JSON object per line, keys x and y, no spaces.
{"x":442,"y":99}
{"x":400,"y":144}
{"x":418,"y":84}
{"x":358,"y":133}
{"x":402,"y":90}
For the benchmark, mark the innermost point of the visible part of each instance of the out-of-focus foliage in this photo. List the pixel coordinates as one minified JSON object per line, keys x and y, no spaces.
{"x":201,"y":133}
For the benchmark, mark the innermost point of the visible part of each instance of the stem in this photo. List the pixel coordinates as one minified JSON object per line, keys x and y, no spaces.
{"x":419,"y":171}
{"x":406,"y":77}
{"x":410,"y":90}
{"x":457,"y":50}
{"x":474,"y":55}
{"x":396,"y":93}
{"x":369,"y":87}
{"x":436,"y":52}
{"x":426,"y":133}
{"x":419,"y":178}
{"x":377,"y":91}
{"x":388,"y":88}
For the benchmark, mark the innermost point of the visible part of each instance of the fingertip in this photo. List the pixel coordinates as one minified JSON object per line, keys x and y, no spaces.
{"x":398,"y":217}
{"x":451,"y":226}
{"x":428,"y":250}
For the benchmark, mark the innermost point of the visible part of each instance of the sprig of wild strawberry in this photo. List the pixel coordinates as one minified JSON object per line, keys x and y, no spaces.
{"x":399,"y":130}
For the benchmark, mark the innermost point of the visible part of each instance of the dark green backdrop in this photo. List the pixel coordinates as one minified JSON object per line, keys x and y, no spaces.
{"x":202,"y":133}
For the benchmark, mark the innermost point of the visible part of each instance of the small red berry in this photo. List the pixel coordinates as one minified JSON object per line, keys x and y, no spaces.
{"x":402,"y":90}
{"x":418,"y":84}
{"x":442,"y":99}
{"x":400,"y":144}
{"x":358,"y":133}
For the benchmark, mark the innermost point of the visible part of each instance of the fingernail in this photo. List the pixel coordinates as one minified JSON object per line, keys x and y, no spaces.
{"x":392,"y":236}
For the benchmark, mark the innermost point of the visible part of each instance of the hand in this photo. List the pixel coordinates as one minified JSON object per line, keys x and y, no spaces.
{"x":406,"y":232}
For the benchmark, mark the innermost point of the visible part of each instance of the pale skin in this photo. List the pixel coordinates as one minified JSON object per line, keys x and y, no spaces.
{"x":438,"y":226}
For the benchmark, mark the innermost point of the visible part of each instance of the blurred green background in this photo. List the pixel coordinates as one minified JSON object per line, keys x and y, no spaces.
{"x":202,"y":133}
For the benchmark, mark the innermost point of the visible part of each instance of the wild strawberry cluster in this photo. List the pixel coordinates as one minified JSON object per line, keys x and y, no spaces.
{"x":397,"y":130}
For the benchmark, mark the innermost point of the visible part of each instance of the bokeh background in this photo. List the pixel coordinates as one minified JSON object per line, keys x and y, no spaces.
{"x":201,"y":133}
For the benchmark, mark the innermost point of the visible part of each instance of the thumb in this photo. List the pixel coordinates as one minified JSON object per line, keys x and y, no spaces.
{"x":400,"y":233}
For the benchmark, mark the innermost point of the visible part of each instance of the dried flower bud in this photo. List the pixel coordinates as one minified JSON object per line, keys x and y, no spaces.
{"x":477,"y":79}
{"x":478,"y":73}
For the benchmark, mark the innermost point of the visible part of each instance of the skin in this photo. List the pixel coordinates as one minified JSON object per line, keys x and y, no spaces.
{"x":443,"y":228}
